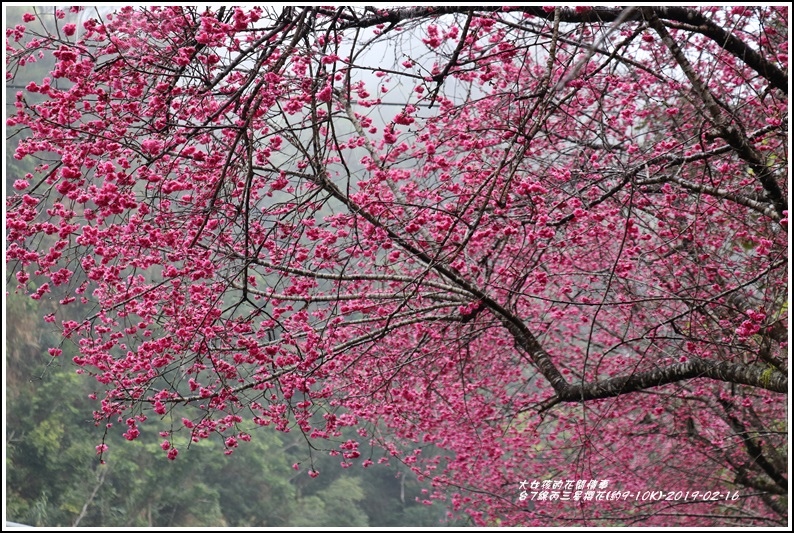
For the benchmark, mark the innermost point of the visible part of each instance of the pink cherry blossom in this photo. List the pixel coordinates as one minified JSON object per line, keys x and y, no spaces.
{"x":527,"y":245}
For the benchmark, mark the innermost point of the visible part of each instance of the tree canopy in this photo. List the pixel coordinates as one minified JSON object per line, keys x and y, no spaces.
{"x":507,"y":245}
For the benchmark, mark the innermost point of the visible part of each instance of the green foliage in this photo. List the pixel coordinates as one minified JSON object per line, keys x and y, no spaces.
{"x":338,"y":507}
{"x":53,"y":472}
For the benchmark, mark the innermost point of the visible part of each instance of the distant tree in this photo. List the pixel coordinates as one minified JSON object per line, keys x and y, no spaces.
{"x":337,"y":506}
{"x":551,"y":242}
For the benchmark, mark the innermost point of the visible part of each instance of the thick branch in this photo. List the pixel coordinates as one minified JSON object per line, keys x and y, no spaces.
{"x":753,"y":448}
{"x":766,"y":378}
{"x":757,"y":483}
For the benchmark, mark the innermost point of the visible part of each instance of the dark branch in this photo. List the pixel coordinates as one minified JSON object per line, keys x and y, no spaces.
{"x":753,"y":448}
{"x":756,"y":376}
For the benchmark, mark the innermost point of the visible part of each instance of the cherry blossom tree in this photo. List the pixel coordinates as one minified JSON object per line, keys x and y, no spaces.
{"x":507,"y":245}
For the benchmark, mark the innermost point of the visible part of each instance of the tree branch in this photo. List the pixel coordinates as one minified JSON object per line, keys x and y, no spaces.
{"x":753,"y":448}
{"x":756,"y":376}
{"x":103,"y":471}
